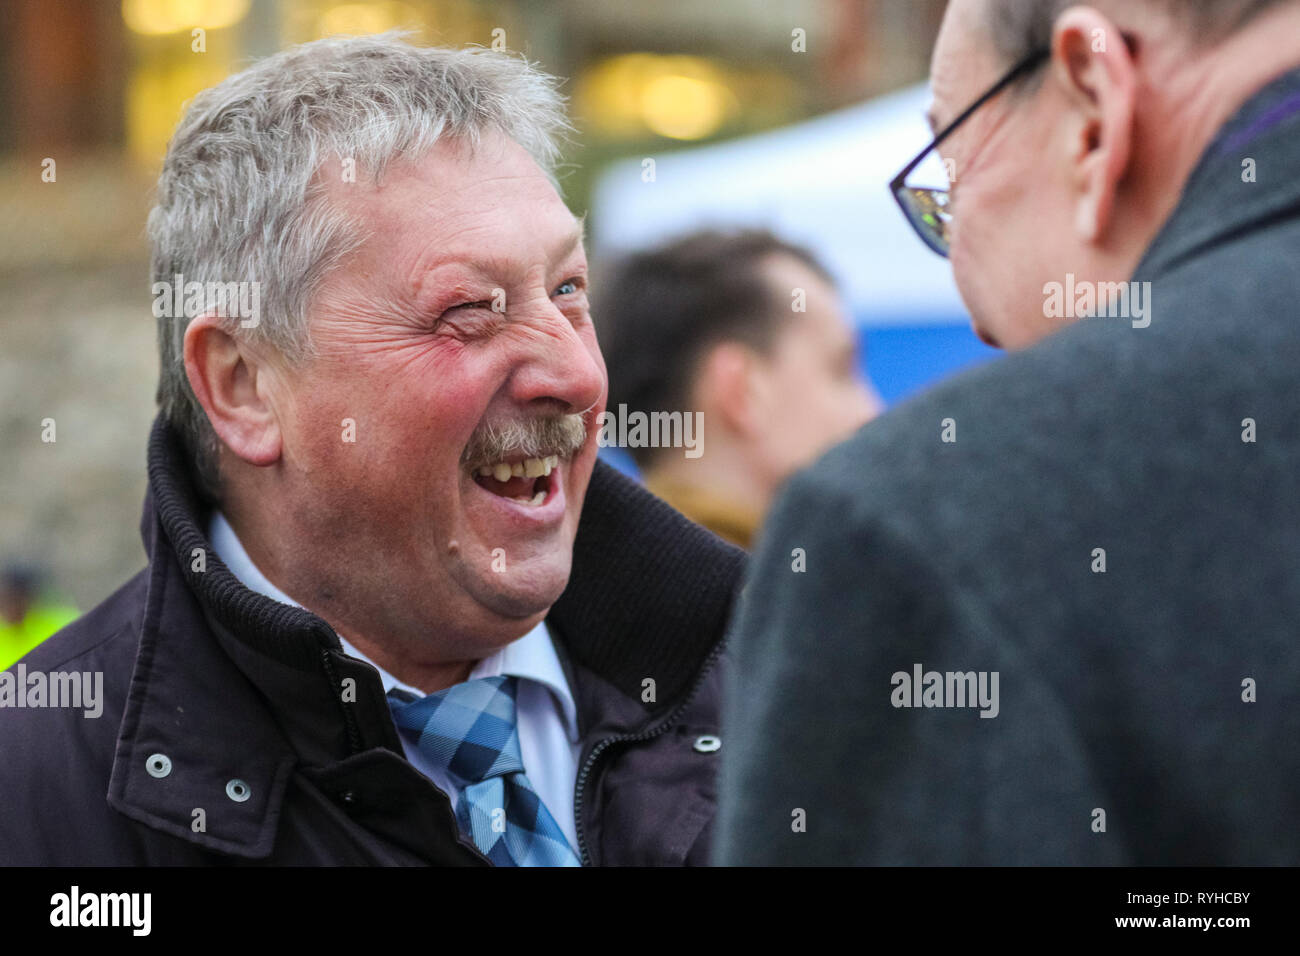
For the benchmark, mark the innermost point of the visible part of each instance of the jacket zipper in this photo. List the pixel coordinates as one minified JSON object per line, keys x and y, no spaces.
{"x":602,"y":745}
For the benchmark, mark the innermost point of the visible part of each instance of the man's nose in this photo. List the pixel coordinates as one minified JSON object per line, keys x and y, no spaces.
{"x":561,"y":365}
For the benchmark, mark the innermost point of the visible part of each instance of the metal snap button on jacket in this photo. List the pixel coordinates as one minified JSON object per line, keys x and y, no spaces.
{"x":238,"y":791}
{"x":158,"y":765}
{"x":707,"y":744}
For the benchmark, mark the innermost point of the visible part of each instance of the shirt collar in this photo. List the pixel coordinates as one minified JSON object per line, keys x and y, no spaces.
{"x":531,"y":657}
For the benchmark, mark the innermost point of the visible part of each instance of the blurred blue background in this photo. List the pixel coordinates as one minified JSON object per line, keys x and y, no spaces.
{"x":822,"y":183}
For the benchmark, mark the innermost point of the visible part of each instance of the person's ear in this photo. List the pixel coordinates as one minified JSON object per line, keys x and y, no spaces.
{"x":727,"y":389}
{"x":231,"y":379}
{"x":1092,"y":65}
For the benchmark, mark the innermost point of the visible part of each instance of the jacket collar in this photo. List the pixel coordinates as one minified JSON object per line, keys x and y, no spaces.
{"x":1219,"y":199}
{"x":231,"y":686}
{"x":531,"y":656}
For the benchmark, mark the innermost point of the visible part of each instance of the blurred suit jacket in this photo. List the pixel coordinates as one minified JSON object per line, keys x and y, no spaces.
{"x":1124,"y":694}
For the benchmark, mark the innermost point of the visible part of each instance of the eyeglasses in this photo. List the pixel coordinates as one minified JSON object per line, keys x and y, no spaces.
{"x":926,"y":207}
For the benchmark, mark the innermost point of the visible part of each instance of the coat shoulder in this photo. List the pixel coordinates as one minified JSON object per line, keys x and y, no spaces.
{"x":96,"y":635}
{"x":59,"y":729}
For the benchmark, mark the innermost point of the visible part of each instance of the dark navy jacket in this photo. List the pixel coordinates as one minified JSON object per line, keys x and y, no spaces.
{"x":266,"y":763}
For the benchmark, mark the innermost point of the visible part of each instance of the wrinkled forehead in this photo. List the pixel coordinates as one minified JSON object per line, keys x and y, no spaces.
{"x":453,"y":180}
{"x":483,"y":204}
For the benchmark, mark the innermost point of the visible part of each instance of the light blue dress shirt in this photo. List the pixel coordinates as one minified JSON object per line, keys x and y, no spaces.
{"x":547,"y":716}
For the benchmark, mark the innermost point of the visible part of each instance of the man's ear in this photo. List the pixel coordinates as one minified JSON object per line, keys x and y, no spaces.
{"x":726,"y":386}
{"x":1093,"y":66}
{"x":230,"y":379}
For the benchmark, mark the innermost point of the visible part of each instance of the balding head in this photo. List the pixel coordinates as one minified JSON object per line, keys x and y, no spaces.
{"x":1017,"y":27}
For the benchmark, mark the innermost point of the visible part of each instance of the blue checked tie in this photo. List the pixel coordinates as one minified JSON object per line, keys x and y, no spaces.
{"x":469,"y":729}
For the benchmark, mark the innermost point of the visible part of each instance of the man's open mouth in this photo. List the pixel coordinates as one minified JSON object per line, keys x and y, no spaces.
{"x":527,"y":480}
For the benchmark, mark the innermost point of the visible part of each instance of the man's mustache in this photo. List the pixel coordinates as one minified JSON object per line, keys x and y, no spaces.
{"x":562,"y":435}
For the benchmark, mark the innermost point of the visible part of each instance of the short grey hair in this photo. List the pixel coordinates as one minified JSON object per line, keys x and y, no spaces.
{"x":1019,"y":27}
{"x":239,"y":198}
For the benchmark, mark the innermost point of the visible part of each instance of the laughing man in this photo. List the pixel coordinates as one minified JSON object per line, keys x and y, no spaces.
{"x":395,"y":611}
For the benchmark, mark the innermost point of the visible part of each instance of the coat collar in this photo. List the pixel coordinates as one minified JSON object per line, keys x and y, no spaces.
{"x":1220,"y":199}
{"x":233,"y":687}
{"x":532,"y":656}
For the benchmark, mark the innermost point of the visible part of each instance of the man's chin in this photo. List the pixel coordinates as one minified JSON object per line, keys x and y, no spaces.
{"x":524,"y":608}
{"x":985,"y":336}
{"x":520,"y":594}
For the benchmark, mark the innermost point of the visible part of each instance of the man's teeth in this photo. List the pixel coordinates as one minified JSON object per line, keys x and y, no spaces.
{"x":532,"y":502}
{"x":528,"y":468}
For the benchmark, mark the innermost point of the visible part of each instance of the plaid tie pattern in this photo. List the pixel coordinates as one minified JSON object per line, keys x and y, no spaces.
{"x":470,"y":730}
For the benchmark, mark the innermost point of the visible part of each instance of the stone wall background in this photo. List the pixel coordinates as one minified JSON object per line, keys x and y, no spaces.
{"x":77,"y":346}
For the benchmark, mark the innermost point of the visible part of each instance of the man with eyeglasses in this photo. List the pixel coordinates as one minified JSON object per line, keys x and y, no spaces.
{"x":1047,"y":612}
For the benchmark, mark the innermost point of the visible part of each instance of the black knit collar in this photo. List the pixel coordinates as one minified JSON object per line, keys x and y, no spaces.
{"x":648,"y":596}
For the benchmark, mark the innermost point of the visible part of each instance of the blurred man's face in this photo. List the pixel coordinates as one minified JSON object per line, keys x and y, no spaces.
{"x":14,"y":603}
{"x":411,"y":347}
{"x":1011,"y":201}
{"x":810,"y":390}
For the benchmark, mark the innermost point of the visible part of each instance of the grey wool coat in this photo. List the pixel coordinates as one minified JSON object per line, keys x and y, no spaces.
{"x":1148,"y":713}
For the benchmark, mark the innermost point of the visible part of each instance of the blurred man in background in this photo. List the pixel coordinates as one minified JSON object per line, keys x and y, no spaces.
{"x":748,"y":330}
{"x":1049,"y":610}
{"x":27,"y":617}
